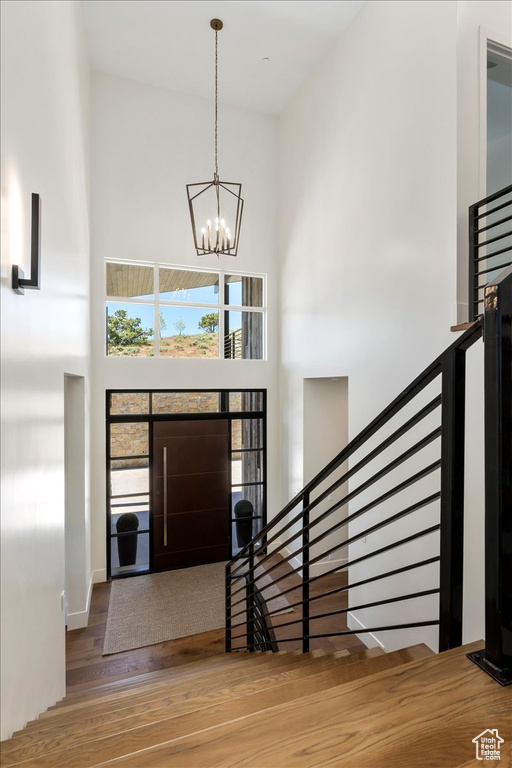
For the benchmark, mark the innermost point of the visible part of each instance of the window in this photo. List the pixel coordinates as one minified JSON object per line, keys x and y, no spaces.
{"x":133,"y":531}
{"x":163,"y":311}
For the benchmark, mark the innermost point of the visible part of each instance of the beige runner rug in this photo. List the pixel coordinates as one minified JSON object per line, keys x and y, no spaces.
{"x":156,"y":607}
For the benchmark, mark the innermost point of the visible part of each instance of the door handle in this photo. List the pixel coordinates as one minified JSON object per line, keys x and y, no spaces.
{"x":165,"y":496}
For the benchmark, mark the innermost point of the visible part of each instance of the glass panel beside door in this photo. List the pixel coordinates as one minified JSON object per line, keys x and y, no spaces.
{"x":178,"y":464}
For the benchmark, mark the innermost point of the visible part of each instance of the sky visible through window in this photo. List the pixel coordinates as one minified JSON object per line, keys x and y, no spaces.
{"x":172,"y":315}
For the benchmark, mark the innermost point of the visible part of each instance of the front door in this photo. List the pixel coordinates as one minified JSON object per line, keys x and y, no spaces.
{"x":190,"y":493}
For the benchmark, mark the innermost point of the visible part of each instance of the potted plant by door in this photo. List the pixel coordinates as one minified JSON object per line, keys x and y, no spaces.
{"x":244,"y":511}
{"x":126,"y":544}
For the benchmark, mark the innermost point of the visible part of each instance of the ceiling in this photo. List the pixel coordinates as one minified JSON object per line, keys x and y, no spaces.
{"x":169,"y":43}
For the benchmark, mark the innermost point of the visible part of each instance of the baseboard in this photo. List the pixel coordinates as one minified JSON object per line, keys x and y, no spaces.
{"x":80,"y":619}
{"x":99,"y":576}
{"x":369,"y":639}
{"x":295,"y":562}
{"x":317,"y":569}
{"x":325,"y":566}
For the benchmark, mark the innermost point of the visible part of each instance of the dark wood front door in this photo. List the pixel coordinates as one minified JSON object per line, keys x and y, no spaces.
{"x":190,"y":493}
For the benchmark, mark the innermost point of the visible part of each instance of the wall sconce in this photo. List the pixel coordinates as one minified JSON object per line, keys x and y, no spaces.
{"x":19,"y":281}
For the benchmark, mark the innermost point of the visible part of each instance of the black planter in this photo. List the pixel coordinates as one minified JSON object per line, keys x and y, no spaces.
{"x":127,"y":541}
{"x":244,"y":512}
{"x":127,"y":548}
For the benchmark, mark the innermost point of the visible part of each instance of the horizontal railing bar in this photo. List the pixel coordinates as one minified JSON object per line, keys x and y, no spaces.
{"x":346,"y":587}
{"x":348,"y":564}
{"x":492,"y":269}
{"x":128,"y":495}
{"x":376,"y":603}
{"x":493,"y":240}
{"x":428,"y":375}
{"x":377,"y":526}
{"x":416,"y":386}
{"x":433,"y":622}
{"x":379,"y":475}
{"x":491,"y":198}
{"x":373,"y":454}
{"x":491,"y":226}
{"x":490,"y":255}
{"x":372,"y":504}
{"x":385,"y":496}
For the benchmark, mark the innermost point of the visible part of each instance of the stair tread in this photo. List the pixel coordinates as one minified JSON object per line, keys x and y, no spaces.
{"x":382,"y":719}
{"x":78,"y":711}
{"x":181,"y":714}
{"x":191,"y":670}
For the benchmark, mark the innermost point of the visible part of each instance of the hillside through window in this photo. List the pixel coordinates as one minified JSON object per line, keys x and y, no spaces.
{"x":163,"y":311}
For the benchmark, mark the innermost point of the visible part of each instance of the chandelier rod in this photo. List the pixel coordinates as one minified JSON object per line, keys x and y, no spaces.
{"x":216,"y":103}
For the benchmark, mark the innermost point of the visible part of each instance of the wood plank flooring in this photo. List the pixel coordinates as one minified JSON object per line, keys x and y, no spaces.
{"x":406,"y":709}
{"x":86,"y":666}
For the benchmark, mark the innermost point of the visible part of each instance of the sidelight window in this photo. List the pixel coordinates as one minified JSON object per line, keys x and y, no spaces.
{"x":136,"y":503}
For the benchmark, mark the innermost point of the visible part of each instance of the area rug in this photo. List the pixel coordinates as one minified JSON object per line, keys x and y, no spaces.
{"x":149,"y":609}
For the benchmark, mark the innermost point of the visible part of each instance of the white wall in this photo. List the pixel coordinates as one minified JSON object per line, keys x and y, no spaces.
{"x":368,"y":201}
{"x":147,"y":144}
{"x":325,"y":430}
{"x":475,"y":21}
{"x":44,"y":335}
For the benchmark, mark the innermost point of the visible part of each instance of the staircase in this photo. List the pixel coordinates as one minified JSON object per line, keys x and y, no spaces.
{"x":272,"y":710}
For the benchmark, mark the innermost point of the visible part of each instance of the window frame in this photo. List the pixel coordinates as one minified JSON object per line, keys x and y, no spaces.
{"x":221,"y":307}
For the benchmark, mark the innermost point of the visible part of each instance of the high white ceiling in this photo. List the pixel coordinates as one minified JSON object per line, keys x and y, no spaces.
{"x":169,"y":43}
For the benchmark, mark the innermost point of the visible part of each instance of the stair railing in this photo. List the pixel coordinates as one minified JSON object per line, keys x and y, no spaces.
{"x":490,"y":244}
{"x":496,"y":658}
{"x":289,"y":545}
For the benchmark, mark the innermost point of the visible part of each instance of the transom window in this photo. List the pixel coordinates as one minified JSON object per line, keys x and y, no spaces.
{"x":163,"y":311}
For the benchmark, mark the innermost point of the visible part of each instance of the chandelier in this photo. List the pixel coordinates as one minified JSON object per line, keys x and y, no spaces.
{"x":215,"y":206}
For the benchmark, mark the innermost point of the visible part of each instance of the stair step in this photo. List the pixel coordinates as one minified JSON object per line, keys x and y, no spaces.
{"x":417,"y":714}
{"x":150,"y":678}
{"x":77,"y":711}
{"x":104,"y":736}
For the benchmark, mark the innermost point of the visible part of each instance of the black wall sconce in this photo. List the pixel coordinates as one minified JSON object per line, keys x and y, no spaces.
{"x":19,"y":281}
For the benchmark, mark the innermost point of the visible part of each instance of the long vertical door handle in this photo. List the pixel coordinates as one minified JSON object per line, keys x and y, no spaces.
{"x":165,"y":497}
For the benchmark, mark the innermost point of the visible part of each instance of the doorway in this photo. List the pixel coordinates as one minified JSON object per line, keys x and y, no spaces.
{"x":191,"y":493}
{"x":215,"y":457}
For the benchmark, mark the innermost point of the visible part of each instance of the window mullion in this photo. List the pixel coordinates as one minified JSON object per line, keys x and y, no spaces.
{"x":221,"y":315}
{"x":156,"y":323}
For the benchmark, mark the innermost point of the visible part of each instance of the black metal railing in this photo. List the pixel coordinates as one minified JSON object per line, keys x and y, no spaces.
{"x":415,"y":480}
{"x":233,"y":345}
{"x":496,"y":657}
{"x":490,"y":244}
{"x":300,"y":536}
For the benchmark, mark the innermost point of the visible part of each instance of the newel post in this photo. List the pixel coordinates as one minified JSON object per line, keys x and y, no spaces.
{"x":496,"y":658}
{"x":452,"y":498}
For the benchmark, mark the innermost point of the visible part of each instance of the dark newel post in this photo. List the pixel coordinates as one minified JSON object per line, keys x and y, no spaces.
{"x":305,"y":574}
{"x":250,"y":599}
{"x":228,"y":607}
{"x":496,"y":659}
{"x":473,"y":253}
{"x":452,"y":498}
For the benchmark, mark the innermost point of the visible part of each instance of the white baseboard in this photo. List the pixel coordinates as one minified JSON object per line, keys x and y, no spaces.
{"x":80,"y":619}
{"x":368,"y":638}
{"x":317,"y":569}
{"x":99,"y":576}
{"x":324,"y":566}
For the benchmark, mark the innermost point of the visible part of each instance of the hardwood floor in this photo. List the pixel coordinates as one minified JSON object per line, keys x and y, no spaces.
{"x":406,"y":709}
{"x":87,"y":667}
